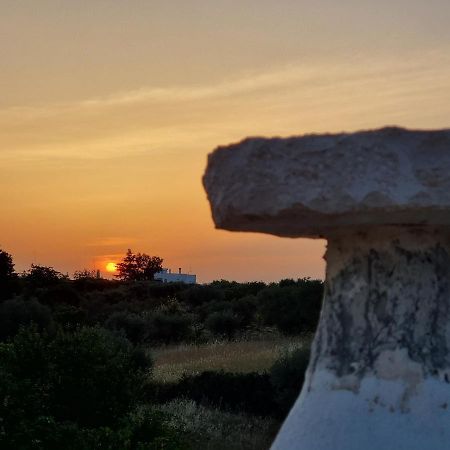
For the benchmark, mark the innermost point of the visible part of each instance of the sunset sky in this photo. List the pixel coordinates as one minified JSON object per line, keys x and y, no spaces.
{"x":108,"y":110}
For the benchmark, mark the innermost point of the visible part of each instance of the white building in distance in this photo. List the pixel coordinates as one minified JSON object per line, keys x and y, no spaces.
{"x":166,"y":276}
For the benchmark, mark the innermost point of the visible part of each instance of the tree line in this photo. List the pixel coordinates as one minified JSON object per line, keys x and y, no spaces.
{"x":75,"y":359}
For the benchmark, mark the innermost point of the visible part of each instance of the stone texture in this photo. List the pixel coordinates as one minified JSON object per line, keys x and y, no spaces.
{"x":307,"y":186}
{"x":379,"y":374}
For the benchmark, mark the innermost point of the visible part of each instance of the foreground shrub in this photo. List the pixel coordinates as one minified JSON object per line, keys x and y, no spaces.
{"x":214,"y":429}
{"x":17,"y":313}
{"x":199,"y":294}
{"x":73,"y":382}
{"x":237,"y":392}
{"x":144,"y":429}
{"x":223,"y":323}
{"x":287,"y":376}
{"x":293,"y":306}
{"x":135,"y":327}
{"x":168,"y":328}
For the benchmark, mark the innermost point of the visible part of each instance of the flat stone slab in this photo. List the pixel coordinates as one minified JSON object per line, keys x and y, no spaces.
{"x":308,"y":186}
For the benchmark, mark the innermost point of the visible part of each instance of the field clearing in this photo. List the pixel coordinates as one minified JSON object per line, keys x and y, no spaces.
{"x":171,"y":362}
{"x":211,"y":429}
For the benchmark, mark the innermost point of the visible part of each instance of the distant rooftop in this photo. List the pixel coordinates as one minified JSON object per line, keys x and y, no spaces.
{"x":166,"y":276}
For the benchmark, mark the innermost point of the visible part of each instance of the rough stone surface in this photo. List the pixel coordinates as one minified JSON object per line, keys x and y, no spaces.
{"x":387,"y":289}
{"x":379,"y":375}
{"x":307,"y":186}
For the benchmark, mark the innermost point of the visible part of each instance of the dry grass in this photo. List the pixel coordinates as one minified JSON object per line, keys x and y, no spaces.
{"x":172,"y":362}
{"x":211,"y":429}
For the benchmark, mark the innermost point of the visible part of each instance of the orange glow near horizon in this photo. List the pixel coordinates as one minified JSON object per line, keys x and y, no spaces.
{"x":144,"y":93}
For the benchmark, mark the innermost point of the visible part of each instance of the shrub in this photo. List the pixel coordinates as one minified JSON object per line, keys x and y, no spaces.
{"x":213,"y":429}
{"x":239,"y":392}
{"x":42,"y":276}
{"x":198,"y":294}
{"x":224,"y":323}
{"x":287,"y":376}
{"x":69,"y":317}
{"x":233,"y":289}
{"x":168,"y":328}
{"x":95,"y":377}
{"x":89,"y":377}
{"x":62,"y":293}
{"x":244,"y":308}
{"x":293,"y":308}
{"x":17,"y":312}
{"x":78,"y":391}
{"x":135,"y":328}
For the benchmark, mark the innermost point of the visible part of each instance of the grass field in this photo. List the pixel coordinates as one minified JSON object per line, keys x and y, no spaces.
{"x":214,"y":429}
{"x":211,"y":429}
{"x":172,"y":362}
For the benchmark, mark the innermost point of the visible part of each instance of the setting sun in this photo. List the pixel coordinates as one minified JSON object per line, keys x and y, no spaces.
{"x":111,"y":267}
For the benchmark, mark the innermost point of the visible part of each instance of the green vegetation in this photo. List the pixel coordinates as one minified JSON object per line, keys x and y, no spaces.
{"x":89,"y":363}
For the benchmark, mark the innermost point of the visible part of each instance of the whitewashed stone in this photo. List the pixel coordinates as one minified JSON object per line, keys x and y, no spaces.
{"x":307,"y":186}
{"x":379,"y":375}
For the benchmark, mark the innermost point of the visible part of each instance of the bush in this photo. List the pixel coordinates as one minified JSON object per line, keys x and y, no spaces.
{"x":89,"y":377}
{"x":167,"y":328}
{"x":213,"y":429}
{"x":135,"y":328}
{"x":233,"y":289}
{"x":77,"y":391}
{"x":223,"y":323}
{"x":294,"y":307}
{"x":96,"y":378}
{"x":198,"y":295}
{"x":244,"y":308}
{"x":239,"y":392}
{"x":17,"y":313}
{"x":42,"y":276}
{"x":144,"y":429}
{"x":62,"y":293}
{"x":69,"y":317}
{"x":287,"y":376}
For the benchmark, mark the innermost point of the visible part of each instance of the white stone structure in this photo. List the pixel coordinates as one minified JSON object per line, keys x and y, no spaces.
{"x":166,"y":276}
{"x":379,"y":375}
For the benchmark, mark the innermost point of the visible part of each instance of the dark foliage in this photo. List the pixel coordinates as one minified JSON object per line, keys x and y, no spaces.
{"x":233,"y":289}
{"x":169,"y":328}
{"x":198,"y":295}
{"x":287,"y":376}
{"x":69,"y":317}
{"x":138,"y":267}
{"x":236,"y":392}
{"x":7,"y":276}
{"x":224,"y":323}
{"x":42,"y":276}
{"x":17,"y":313}
{"x":293,"y":307}
{"x":77,"y":391}
{"x":135,"y":327}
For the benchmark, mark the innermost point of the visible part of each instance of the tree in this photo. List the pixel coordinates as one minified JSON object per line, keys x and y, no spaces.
{"x":6,"y":266}
{"x":43,"y":276}
{"x":8,"y":278}
{"x":138,"y":267}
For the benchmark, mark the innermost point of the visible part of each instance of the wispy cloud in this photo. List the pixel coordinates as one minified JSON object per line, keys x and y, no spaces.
{"x":312,"y":75}
{"x":295,"y":98}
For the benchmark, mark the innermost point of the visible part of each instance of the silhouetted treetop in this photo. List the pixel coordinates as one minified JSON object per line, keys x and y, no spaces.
{"x":43,"y":276}
{"x":138,"y":267}
{"x":6,"y":266}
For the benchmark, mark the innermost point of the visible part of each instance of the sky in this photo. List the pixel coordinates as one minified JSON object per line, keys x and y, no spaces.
{"x":108,"y":110}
